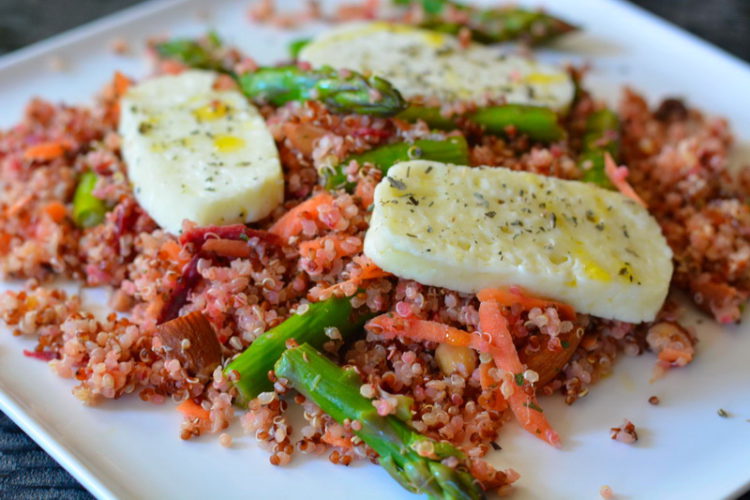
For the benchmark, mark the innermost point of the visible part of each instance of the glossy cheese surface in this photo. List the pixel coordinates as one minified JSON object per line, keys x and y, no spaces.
{"x":434,"y":65}
{"x":193,"y":152}
{"x":467,"y":228}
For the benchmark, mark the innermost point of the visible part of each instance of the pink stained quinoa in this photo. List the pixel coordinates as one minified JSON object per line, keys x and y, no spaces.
{"x":678,"y":165}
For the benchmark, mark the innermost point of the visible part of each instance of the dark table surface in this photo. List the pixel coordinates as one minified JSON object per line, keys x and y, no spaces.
{"x":26,"y":471}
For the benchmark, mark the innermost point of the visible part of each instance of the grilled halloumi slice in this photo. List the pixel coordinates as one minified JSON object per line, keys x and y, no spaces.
{"x":193,"y":152}
{"x":434,"y":65}
{"x":467,"y":228}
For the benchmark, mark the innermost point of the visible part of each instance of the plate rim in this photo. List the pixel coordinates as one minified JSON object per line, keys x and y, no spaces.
{"x":13,"y":406}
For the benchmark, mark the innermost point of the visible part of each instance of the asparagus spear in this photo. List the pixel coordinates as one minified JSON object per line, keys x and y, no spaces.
{"x":431,"y":116}
{"x":602,"y":136}
{"x":336,"y":391}
{"x":494,"y":25}
{"x":88,"y":210}
{"x":341,"y":91}
{"x":193,"y":53}
{"x":296,"y":46}
{"x":537,"y":122}
{"x":257,"y":360}
{"x":451,"y":150}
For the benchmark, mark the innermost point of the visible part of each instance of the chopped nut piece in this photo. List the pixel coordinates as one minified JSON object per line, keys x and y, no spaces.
{"x":671,"y":342}
{"x":202,"y":351}
{"x":455,"y":359}
{"x":625,"y":434}
{"x":547,"y":364}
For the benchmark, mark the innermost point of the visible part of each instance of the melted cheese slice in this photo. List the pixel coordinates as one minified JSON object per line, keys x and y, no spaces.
{"x":196,"y":153}
{"x":428,"y":64}
{"x":467,"y":229}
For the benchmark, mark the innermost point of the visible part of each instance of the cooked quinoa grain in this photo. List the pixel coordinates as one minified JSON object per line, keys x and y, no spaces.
{"x":677,"y":160}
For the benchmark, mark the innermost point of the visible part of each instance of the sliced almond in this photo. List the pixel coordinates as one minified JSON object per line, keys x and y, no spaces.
{"x":191,"y":340}
{"x":549,"y":363}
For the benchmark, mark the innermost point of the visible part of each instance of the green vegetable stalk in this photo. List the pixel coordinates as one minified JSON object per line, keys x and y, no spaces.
{"x":296,"y":46}
{"x":431,"y":116}
{"x":411,"y":458}
{"x":451,"y":150}
{"x":602,"y":136}
{"x":253,"y":365}
{"x":193,"y":53}
{"x":493,"y":25}
{"x":88,"y":210}
{"x":539,"y":123}
{"x":341,"y":91}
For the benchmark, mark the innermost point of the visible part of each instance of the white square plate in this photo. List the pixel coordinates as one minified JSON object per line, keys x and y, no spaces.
{"x":130,"y":449}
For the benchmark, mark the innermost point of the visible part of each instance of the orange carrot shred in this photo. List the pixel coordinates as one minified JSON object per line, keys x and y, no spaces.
{"x":342,"y":442}
{"x":501,"y":347}
{"x":617,"y":176}
{"x":56,"y":211}
{"x":121,"y":84}
{"x":191,"y":409}
{"x":5,"y":240}
{"x":45,"y":151}
{"x":523,"y":404}
{"x":290,"y":224}
{"x":369,"y":271}
{"x":170,"y":250}
{"x":515,"y":295}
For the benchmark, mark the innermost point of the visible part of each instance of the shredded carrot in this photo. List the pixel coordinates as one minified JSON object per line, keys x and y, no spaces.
{"x":496,"y":401}
{"x":121,"y":84}
{"x":522,"y":403}
{"x":675,"y":357}
{"x":237,"y":249}
{"x":56,"y":211}
{"x":191,"y":409}
{"x":154,"y":307}
{"x":170,"y":250}
{"x":515,"y":295}
{"x":171,"y":67}
{"x":290,"y":224}
{"x":5,"y":239}
{"x":430,"y":331}
{"x":369,"y":271}
{"x":330,"y":438}
{"x":45,"y":151}
{"x":617,"y":176}
{"x":224,"y":82}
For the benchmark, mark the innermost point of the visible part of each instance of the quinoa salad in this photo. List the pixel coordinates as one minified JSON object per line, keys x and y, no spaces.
{"x":411,"y":228}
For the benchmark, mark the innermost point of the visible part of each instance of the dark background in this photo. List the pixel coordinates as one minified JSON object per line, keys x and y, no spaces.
{"x":26,"y":471}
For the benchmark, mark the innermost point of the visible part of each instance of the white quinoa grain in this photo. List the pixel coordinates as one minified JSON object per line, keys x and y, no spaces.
{"x":225,"y":440}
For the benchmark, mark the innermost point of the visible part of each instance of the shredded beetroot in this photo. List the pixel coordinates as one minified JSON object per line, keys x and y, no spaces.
{"x":45,"y":356}
{"x":126,"y":216}
{"x":199,"y":235}
{"x":190,"y":277}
